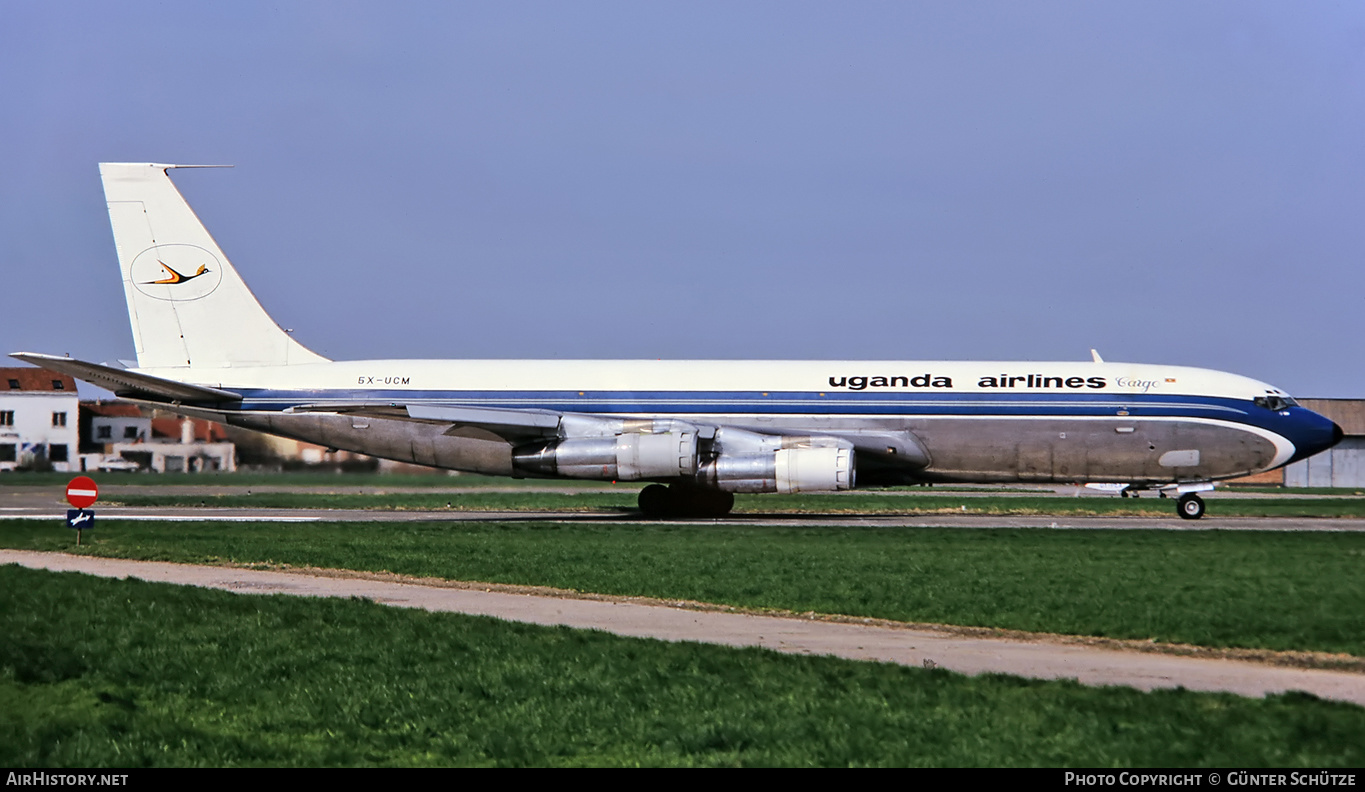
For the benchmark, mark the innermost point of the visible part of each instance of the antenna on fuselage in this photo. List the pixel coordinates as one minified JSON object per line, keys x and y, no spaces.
{"x":1096,"y":356}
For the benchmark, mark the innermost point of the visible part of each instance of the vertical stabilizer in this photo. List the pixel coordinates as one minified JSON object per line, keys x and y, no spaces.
{"x":188,"y":307}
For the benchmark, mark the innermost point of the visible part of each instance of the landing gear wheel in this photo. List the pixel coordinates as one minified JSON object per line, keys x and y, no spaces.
{"x":693,"y":502}
{"x":656,"y":500}
{"x":1190,"y":506}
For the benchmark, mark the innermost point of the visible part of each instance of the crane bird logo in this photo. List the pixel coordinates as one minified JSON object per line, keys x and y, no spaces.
{"x":176,"y":277}
{"x":175,"y":272}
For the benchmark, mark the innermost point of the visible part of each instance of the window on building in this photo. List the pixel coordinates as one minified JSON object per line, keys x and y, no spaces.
{"x":59,"y":419}
{"x":56,"y":453}
{"x":58,"y":385}
{"x":104,"y":432}
{"x":14,"y":384}
{"x":130,"y":433}
{"x":6,"y":417}
{"x":7,"y":453}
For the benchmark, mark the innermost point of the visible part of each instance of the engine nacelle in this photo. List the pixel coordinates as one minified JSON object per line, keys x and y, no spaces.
{"x":623,"y":457}
{"x":826,"y":469}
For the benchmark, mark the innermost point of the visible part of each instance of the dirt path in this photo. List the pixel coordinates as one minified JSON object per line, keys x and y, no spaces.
{"x":908,"y":645}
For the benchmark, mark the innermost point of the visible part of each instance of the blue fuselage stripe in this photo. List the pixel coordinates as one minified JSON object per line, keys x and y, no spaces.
{"x":871,"y":404}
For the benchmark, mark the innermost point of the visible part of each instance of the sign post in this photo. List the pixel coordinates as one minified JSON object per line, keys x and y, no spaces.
{"x":81,"y":493}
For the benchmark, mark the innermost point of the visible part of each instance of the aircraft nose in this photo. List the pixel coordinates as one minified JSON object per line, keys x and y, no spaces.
{"x":1315,"y":434}
{"x":1329,"y":441}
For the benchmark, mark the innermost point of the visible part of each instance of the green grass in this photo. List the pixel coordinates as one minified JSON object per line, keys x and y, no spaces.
{"x":122,"y":673}
{"x":1250,"y":589}
{"x":1297,"y":490}
{"x":804,"y":503}
{"x":877,"y":503}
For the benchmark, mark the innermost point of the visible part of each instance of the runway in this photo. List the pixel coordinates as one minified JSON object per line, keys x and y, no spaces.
{"x":1040,"y":657}
{"x":45,"y":503}
{"x":1167,"y":523}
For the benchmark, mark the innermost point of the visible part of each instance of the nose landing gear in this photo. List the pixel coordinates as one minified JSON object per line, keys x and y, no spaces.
{"x":1190,"y":506}
{"x":1188,"y":503}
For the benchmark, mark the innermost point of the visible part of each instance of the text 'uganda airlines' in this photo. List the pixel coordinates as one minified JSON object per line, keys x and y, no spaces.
{"x":701,"y":430}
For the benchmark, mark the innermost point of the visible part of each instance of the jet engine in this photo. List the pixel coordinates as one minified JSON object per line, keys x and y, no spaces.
{"x":731,"y":460}
{"x":784,"y":470}
{"x":629,"y":456}
{"x":752,"y":462}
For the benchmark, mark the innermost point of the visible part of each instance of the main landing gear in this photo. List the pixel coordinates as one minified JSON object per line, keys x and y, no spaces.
{"x":680,"y":500}
{"x":1190,"y":506}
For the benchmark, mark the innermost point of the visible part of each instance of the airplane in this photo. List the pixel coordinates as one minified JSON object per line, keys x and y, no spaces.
{"x":696,"y":432}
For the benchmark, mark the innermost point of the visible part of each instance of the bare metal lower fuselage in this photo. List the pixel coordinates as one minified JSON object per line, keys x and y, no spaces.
{"x":959,"y":449}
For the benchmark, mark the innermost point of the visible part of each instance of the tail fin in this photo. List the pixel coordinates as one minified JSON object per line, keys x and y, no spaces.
{"x":187,"y":305}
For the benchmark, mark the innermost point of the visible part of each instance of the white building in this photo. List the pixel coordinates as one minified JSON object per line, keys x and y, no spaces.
{"x":161,"y":444}
{"x":38,"y":420}
{"x":117,"y":422}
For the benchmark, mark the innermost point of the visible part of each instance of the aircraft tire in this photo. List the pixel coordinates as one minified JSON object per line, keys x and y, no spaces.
{"x":1190,"y":506}
{"x":706,"y":502}
{"x":656,"y":500}
{"x":690,"y":501}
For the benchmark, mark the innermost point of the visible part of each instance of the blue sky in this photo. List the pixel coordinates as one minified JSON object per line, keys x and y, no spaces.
{"x":1169,"y":182}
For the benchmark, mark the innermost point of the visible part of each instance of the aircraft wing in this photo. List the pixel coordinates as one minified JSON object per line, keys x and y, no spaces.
{"x":519,"y":425}
{"x":128,"y":384}
{"x":520,"y":422}
{"x":512,"y":425}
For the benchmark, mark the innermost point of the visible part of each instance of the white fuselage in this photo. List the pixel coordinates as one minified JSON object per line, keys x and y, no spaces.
{"x":978,"y":421}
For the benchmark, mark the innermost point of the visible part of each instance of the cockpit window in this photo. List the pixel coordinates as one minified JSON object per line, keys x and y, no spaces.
{"x":1275,"y":403}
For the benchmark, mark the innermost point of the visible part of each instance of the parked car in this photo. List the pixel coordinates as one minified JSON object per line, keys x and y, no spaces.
{"x":118,"y":464}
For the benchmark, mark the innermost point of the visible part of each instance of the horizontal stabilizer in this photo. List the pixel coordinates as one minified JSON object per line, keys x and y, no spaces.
{"x":128,"y":384}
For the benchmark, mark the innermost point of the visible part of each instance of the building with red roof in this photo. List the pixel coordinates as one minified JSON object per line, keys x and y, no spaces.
{"x":38,"y":420}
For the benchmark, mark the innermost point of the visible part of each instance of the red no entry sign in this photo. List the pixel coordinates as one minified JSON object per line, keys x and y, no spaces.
{"x":82,"y":492}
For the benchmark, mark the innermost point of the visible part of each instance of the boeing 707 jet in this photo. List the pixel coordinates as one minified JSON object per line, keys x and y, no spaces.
{"x":696,"y":431}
